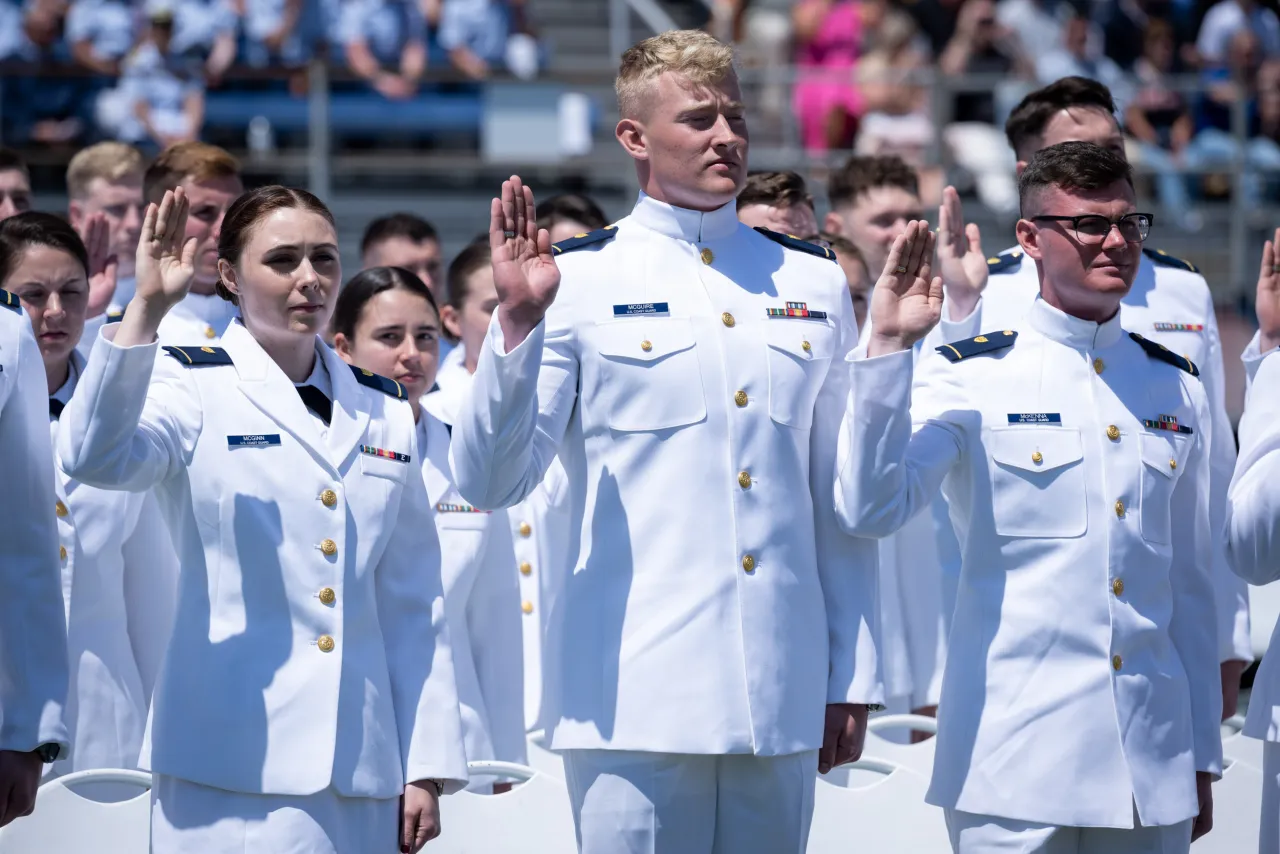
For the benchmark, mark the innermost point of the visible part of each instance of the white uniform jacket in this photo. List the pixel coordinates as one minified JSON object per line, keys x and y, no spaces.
{"x":198,"y":320}
{"x":482,"y":601}
{"x":119,"y":585}
{"x":1170,"y":304}
{"x":33,"y":629}
{"x":715,"y":606}
{"x":540,"y":532}
{"x":310,"y":647}
{"x":1253,"y":520}
{"x":1083,"y":674}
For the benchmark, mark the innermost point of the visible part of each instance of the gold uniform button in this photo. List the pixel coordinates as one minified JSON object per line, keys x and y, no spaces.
{"x":62,"y":552}
{"x":1119,"y":509}
{"x":1173,"y":464}
{"x":740,"y":398}
{"x":1117,"y":587}
{"x":728,"y":320}
{"x":806,"y":346}
{"x":527,"y":607}
{"x":748,"y":563}
{"x":744,"y":479}
{"x":325,"y":643}
{"x":209,"y":333}
{"x":329,"y":547}
{"x":707,"y":256}
{"x":1113,"y":432}
{"x":1037,"y":457}
{"x":1116,"y":662}
{"x":327,"y":596}
{"x":525,"y":567}
{"x":1098,"y":365}
{"x":328,"y":498}
{"x":525,"y":529}
{"x":646,"y":345}
{"x":60,"y":509}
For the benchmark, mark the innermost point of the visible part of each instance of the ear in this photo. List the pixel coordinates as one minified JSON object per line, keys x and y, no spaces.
{"x":75,"y":213}
{"x":451,"y":322}
{"x":227,"y":274}
{"x":1018,"y":168}
{"x":833,"y":223}
{"x":1028,"y":235}
{"x":342,"y":347}
{"x":630,"y":134}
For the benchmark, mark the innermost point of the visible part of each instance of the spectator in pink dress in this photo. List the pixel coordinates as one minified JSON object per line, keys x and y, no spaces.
{"x":827,"y":104}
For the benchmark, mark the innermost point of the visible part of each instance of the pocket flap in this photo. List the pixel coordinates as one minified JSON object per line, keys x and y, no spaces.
{"x":803,"y":340}
{"x":1035,"y":449}
{"x":641,"y":341}
{"x":1163,"y":454}
{"x":382,"y":467}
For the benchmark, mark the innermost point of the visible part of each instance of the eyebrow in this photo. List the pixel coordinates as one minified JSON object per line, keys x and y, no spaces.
{"x":296,"y":246}
{"x":711,"y":105}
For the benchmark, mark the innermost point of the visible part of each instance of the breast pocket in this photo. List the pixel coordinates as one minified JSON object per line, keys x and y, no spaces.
{"x":381,"y":467}
{"x":650,"y":377}
{"x":1163,"y":458}
{"x":799,"y":358}
{"x":1037,"y":482}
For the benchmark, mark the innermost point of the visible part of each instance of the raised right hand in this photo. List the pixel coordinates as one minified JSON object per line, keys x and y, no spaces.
{"x":905,"y":303}
{"x":1267,"y":302}
{"x":961,"y":263}
{"x":524,"y":271}
{"x":165,"y":260}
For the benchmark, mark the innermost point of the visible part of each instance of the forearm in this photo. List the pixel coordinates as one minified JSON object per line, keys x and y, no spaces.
{"x":361,"y":61}
{"x":413,"y":62}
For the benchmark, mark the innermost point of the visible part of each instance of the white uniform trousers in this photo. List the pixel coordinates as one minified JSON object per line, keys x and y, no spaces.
{"x":627,"y":802}
{"x":188,"y":818}
{"x":985,"y":834}
{"x":1269,"y":833}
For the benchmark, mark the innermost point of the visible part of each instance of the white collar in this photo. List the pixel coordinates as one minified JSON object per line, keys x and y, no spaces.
{"x":1074,"y":332}
{"x":684,"y":224}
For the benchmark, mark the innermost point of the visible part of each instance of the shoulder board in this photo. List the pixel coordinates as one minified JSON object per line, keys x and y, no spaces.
{"x":9,"y":300}
{"x":580,"y":240}
{"x":957,"y":350}
{"x":1164,"y":259}
{"x":1164,"y":354}
{"x":115,"y":316}
{"x":1006,"y":263}
{"x":193,"y":356}
{"x":379,"y":382}
{"x":792,"y":242}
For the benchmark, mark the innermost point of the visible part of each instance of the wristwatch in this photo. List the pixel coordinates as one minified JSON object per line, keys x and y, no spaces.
{"x":48,"y":752}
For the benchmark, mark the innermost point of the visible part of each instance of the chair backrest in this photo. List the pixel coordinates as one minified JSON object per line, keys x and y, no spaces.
{"x":541,"y":757}
{"x":1237,"y":811}
{"x":884,"y":812}
{"x":917,"y":757}
{"x":534,"y":816}
{"x":67,"y":822}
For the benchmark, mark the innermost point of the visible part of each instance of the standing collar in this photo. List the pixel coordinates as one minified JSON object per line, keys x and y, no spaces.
{"x":1078,"y":334}
{"x":684,"y":224}
{"x":68,"y":388}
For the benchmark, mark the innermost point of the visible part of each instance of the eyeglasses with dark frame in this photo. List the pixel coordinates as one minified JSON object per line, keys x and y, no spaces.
{"x":1094,"y":228}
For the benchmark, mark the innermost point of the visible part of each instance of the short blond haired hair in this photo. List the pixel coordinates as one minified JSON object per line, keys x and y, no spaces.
{"x":182,"y":161}
{"x":692,"y":54}
{"x":110,"y":161}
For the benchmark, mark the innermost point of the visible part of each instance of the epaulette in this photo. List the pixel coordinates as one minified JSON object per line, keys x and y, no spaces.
{"x":9,"y":300}
{"x":192,"y":356}
{"x":792,"y":242}
{"x":381,"y":383}
{"x":957,"y":350}
{"x":1006,"y":263}
{"x":1164,"y":354}
{"x":115,"y":316}
{"x":1165,"y":259}
{"x":580,"y":240}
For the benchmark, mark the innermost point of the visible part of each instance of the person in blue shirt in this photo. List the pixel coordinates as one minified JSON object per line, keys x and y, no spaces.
{"x":386,"y":44}
{"x":101,"y":33}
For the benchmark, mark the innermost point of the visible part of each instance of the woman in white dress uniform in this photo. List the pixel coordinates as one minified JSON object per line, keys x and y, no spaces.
{"x":118,"y":567}
{"x":386,"y":321}
{"x":307,"y":701}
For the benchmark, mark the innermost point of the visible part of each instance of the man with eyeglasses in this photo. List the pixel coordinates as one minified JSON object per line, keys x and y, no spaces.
{"x":1169,"y":303}
{"x":1080,"y":699}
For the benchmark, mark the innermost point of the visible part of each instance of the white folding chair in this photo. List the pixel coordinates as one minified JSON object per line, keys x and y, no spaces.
{"x":1237,"y":811}
{"x":885,"y":811}
{"x":917,"y":757}
{"x":541,"y":757}
{"x":67,"y":822}
{"x":534,"y":816}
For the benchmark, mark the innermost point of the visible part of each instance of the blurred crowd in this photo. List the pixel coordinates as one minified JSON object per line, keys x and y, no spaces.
{"x":138,"y":70}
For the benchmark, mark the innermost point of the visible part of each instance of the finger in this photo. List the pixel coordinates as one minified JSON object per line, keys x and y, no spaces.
{"x":189,"y":254}
{"x":408,"y":828}
{"x":508,"y":205}
{"x":521,"y":214}
{"x":180,"y":221}
{"x":531,"y":227}
{"x":918,"y":241}
{"x":974,"y":236}
{"x":944,"y":217}
{"x":1268,"y":261}
{"x":148,"y":225}
{"x":935,"y":296}
{"x":496,"y":238}
{"x":827,"y":753}
{"x":926,"y":256}
{"x":164,"y":217}
{"x":544,"y":243}
{"x":896,"y":252}
{"x":955,"y":218}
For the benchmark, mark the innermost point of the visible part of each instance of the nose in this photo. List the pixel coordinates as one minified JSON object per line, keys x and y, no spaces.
{"x":216,"y":231}
{"x":307,"y":275}
{"x":53,"y":306}
{"x":7,"y":206}
{"x":133,"y":218}
{"x":1114,"y":240}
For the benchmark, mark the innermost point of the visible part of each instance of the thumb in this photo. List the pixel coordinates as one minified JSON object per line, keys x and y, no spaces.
{"x":189,"y":253}
{"x":975,"y":237}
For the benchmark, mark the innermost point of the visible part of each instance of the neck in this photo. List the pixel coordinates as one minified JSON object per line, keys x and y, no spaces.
{"x":1100,"y":310}
{"x":416,"y":408}
{"x":675,"y":196}
{"x":56,"y":373}
{"x":204,"y":289}
{"x":470,"y":360}
{"x":295,"y":353}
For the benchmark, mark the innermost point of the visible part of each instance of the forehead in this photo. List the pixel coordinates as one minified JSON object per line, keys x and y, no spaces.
{"x":1115,"y":200}
{"x":213,"y":188}
{"x":125,"y":189}
{"x":675,"y":91}
{"x":1081,"y":124}
{"x":398,"y":306}
{"x":403,"y":247}
{"x":885,"y":199}
{"x":45,"y":264}
{"x":14,"y":179}
{"x":291,"y":226}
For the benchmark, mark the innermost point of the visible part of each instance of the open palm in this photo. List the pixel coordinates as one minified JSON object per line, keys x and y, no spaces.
{"x":961,"y":262}
{"x":165,"y":261}
{"x":906,"y":302}
{"x":96,"y":234}
{"x":524,"y":271}
{"x":1268,"y":297}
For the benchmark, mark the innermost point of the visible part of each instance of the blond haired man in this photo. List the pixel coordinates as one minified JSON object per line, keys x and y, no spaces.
{"x":713,"y":646}
{"x":210,"y":176}
{"x":105,"y":180}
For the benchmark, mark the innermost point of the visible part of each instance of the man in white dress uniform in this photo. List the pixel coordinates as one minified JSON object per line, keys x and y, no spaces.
{"x":33,"y":629}
{"x":716,"y":636}
{"x":1253,"y":523}
{"x":1080,"y":701}
{"x":1169,"y":303}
